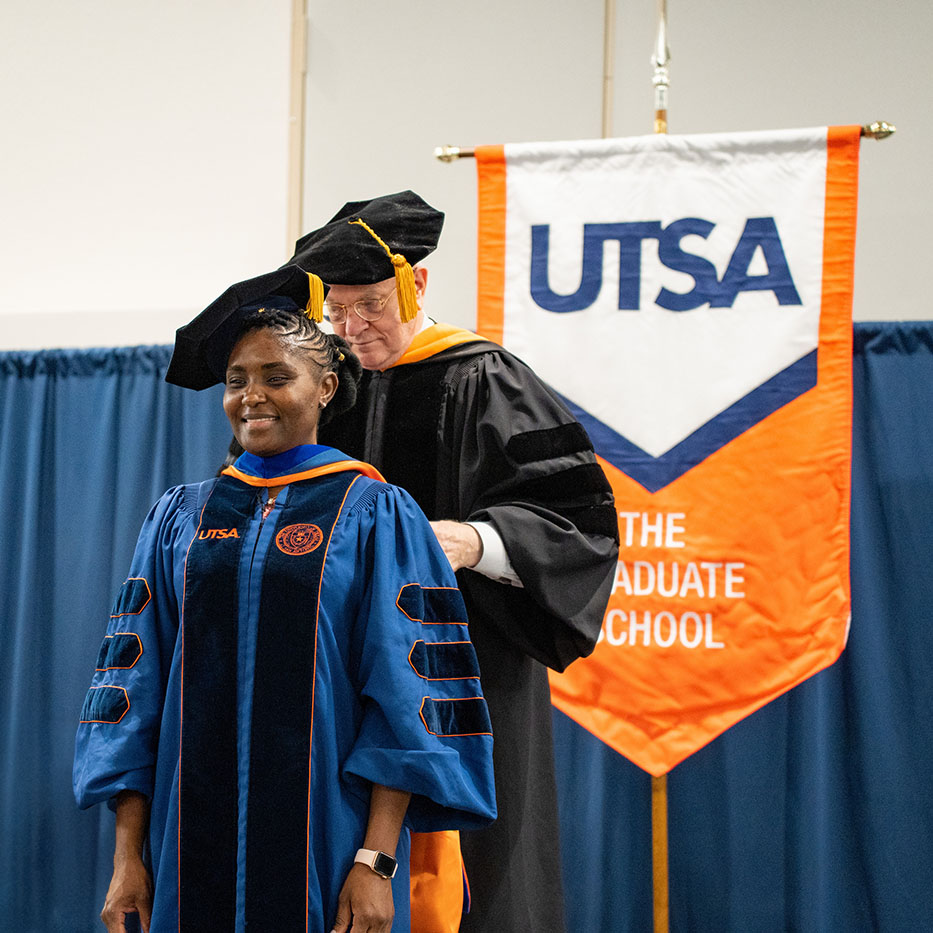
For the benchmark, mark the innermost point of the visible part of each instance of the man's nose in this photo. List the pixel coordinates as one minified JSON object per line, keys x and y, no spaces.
{"x":355,"y":324}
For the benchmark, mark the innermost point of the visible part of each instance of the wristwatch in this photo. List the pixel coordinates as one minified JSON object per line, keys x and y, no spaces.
{"x":379,"y":862}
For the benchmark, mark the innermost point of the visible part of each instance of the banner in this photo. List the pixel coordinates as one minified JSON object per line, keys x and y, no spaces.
{"x":690,"y":299}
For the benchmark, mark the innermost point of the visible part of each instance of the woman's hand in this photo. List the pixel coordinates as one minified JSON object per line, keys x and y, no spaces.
{"x":366,"y":898}
{"x":131,"y":886}
{"x":366,"y":901}
{"x":130,"y":892}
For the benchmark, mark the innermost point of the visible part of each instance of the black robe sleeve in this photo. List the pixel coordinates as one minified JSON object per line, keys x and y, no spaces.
{"x":522,"y":462}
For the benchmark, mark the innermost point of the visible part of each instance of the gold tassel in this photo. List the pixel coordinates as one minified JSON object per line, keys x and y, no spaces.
{"x":407,"y":293}
{"x":404,"y":277}
{"x":315,"y":306}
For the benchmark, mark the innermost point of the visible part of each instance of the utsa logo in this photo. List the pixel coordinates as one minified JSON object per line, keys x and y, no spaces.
{"x":760,"y":233}
{"x":217,"y":533}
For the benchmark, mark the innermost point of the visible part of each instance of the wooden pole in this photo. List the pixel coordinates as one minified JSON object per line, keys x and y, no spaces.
{"x":659,"y":852}
{"x":296,"y":124}
{"x":660,"y":60}
{"x":609,"y":45}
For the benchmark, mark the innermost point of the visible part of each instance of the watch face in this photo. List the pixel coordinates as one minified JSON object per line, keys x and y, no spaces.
{"x":384,"y":865}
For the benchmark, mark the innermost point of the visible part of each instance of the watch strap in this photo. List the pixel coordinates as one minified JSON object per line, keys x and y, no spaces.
{"x":380,"y":862}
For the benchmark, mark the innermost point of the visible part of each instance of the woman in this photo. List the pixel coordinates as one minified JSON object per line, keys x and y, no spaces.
{"x":287,"y":676}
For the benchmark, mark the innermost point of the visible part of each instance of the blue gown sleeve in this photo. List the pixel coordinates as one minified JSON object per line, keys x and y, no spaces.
{"x":118,"y":733}
{"x":425,"y":726}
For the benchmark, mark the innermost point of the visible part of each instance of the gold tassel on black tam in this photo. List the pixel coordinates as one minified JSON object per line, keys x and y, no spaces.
{"x":315,"y":306}
{"x":404,"y":277}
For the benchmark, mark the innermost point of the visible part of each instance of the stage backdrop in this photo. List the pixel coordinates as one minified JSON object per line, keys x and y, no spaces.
{"x":690,"y":298}
{"x":815,"y":813}
{"x":89,"y":440}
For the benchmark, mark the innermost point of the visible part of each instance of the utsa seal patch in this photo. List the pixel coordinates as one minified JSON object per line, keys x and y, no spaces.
{"x":298,"y":539}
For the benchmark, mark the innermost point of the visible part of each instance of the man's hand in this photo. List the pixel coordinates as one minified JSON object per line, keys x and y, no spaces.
{"x":460,"y":542}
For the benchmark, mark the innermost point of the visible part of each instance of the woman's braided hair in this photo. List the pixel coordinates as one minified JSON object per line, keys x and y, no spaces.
{"x":328,"y":351}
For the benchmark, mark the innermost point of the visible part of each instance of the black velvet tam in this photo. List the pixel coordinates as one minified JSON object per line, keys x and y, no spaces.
{"x":344,"y":253}
{"x":203,"y":345}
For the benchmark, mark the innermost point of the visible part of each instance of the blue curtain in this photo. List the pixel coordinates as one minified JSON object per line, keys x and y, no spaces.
{"x":814,"y":814}
{"x":89,"y":439}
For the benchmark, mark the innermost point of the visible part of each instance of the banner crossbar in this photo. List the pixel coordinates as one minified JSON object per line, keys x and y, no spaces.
{"x":880,"y":129}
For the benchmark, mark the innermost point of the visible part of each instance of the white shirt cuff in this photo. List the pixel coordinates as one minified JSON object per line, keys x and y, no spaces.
{"x":495,"y":562}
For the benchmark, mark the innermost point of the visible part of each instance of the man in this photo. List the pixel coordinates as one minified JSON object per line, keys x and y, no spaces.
{"x":518,"y":503}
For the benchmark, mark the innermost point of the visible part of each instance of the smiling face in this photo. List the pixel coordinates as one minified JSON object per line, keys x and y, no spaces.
{"x":274,"y":393}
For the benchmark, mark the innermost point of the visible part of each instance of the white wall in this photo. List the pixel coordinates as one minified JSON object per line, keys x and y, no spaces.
{"x":385,"y":90}
{"x":491,"y":72}
{"x":144,"y":145}
{"x":143,"y":162}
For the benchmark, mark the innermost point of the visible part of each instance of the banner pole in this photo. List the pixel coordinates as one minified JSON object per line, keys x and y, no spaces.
{"x":659,"y":852}
{"x":609,"y":25}
{"x":660,"y":61}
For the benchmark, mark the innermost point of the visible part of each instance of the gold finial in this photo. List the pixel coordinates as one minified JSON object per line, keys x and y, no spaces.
{"x":447,"y":153}
{"x":880,"y":129}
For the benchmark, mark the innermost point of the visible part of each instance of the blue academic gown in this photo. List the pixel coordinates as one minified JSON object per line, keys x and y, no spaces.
{"x":257,"y":676}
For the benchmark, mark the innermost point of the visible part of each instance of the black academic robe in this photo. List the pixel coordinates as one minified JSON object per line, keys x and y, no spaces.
{"x":473,"y":434}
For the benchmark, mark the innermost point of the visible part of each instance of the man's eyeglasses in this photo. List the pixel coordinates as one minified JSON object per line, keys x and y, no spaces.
{"x":367,"y":309}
